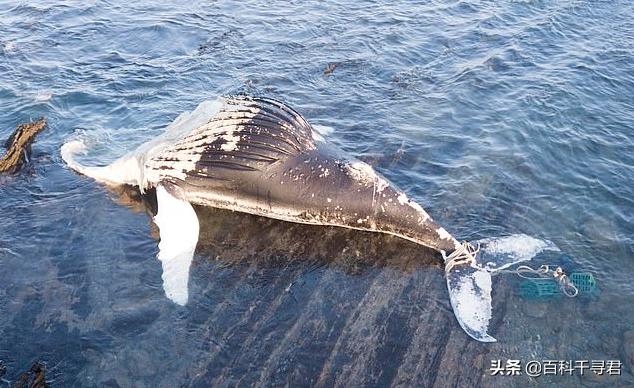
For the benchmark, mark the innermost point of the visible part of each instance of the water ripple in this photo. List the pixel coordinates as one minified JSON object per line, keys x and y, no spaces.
{"x":499,"y":117}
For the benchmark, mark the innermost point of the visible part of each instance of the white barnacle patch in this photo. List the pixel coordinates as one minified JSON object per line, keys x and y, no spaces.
{"x":363,"y":220}
{"x":364,"y":173}
{"x":179,"y":158}
{"x":381,"y":184}
{"x":179,"y":164}
{"x":231,"y":141}
{"x":402,"y":198}
{"x":423,"y":214}
{"x":226,"y":125}
{"x":443,"y":234}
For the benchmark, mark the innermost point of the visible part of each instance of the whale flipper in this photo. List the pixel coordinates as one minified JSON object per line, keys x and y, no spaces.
{"x":179,"y":228}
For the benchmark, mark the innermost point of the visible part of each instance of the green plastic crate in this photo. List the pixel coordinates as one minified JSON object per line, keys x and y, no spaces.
{"x":584,"y":282}
{"x":541,"y":288}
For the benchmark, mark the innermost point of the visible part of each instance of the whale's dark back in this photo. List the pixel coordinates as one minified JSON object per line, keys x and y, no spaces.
{"x":259,"y":156}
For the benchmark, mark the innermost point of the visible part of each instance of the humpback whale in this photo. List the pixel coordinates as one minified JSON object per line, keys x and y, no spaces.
{"x":258,"y":155}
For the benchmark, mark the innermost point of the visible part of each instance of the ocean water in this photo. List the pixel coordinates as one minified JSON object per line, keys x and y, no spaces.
{"x":499,"y":117}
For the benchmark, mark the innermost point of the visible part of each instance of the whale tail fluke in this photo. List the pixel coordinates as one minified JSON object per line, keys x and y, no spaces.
{"x":468,"y":272}
{"x":469,"y":287}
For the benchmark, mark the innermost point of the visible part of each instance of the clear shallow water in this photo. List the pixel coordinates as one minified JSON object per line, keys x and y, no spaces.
{"x":499,"y":118}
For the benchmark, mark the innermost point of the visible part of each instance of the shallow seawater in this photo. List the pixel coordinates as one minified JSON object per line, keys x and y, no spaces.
{"x":498,"y":117}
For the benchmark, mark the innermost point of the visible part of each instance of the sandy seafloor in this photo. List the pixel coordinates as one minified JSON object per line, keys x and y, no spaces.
{"x":499,"y":117}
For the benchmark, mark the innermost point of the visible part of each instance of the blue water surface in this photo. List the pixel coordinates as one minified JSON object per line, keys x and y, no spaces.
{"x":499,"y":117}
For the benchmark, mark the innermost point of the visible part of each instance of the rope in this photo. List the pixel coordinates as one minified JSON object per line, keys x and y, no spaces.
{"x":544,"y":271}
{"x":464,"y":254}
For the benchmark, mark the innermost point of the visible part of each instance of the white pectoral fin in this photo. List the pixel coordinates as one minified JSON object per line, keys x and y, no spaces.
{"x":179,"y":228}
{"x":470,"y":294}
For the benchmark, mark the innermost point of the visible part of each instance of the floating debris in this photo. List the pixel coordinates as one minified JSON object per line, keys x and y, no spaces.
{"x":19,"y":146}
{"x":330,"y":68}
{"x":543,"y":288}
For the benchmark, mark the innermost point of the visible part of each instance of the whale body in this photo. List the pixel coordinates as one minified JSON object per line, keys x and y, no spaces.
{"x":259,"y":156}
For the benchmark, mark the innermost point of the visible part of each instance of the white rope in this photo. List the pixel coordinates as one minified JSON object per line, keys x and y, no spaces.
{"x":544,"y":272}
{"x":464,"y":254}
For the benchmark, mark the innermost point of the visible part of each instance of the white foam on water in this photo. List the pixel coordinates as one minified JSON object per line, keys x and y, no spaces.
{"x":9,"y":47}
{"x":43,"y":96}
{"x":9,"y":251}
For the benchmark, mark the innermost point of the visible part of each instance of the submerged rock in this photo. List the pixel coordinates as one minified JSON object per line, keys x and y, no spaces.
{"x":33,"y":378}
{"x":535,"y":309}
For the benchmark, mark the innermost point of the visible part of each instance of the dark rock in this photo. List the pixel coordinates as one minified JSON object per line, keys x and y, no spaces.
{"x":535,"y":309}
{"x":19,"y":145}
{"x":33,"y":378}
